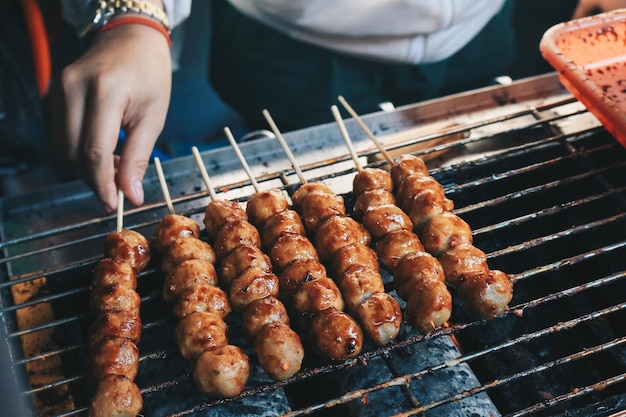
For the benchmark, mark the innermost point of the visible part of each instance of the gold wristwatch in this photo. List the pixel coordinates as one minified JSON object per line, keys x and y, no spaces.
{"x":102,"y":11}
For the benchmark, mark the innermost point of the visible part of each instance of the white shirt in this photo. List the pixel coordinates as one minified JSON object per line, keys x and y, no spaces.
{"x":406,"y":31}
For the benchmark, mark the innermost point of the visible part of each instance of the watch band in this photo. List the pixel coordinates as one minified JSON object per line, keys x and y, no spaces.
{"x":102,"y":11}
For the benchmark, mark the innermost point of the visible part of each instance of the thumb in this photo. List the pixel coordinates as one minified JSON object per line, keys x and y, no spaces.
{"x":584,"y":8}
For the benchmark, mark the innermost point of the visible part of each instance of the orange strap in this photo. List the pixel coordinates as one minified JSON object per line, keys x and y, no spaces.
{"x":39,"y":43}
{"x":140,"y":20}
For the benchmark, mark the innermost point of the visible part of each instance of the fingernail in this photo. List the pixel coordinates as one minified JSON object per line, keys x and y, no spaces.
{"x":138,"y":190}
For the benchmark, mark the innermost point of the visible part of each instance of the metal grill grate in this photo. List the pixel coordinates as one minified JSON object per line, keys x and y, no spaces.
{"x":537,"y":178}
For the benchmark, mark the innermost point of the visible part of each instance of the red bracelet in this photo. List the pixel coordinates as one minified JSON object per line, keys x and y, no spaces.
{"x":140,"y":20}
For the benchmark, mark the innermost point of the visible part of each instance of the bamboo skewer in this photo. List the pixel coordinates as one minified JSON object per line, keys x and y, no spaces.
{"x":166,"y":191}
{"x":283,"y":144}
{"x":203,"y":172}
{"x":120,"y":211}
{"x":346,"y":138}
{"x":241,"y":158}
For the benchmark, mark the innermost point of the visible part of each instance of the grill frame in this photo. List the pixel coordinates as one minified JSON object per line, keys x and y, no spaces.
{"x":461,"y":135}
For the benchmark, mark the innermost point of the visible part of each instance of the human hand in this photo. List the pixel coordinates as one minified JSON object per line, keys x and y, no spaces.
{"x":122,"y":81}
{"x":589,"y":7}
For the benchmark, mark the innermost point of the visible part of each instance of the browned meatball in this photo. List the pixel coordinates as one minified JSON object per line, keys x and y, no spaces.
{"x":171,"y":228}
{"x":240,"y":259}
{"x":372,"y":198}
{"x":290,"y":248}
{"x":486,"y":294}
{"x":382,"y":220}
{"x":358,"y":284}
{"x":407,"y":165}
{"x":318,"y":207}
{"x":429,"y":305}
{"x":113,"y":356}
{"x":109,"y":272}
{"x":234,"y":234}
{"x":220,"y":212}
{"x":279,"y":350}
{"x":251,"y":285}
{"x":260,"y":313}
{"x":286,"y":221}
{"x":317,"y":295}
{"x":296,"y":273}
{"x":445,"y":231}
{"x":115,"y":324}
{"x":114,"y":298}
{"x":336,"y":335}
{"x":300,"y":194}
{"x":371,"y":179}
{"x":427,"y":204}
{"x":199,"y":331}
{"x":188,"y":274}
{"x":412,"y":186}
{"x":204,"y":298}
{"x":264,"y":204}
{"x":185,"y":249}
{"x":337,"y":232}
{"x":352,"y":254}
{"x":128,"y":246}
{"x":380,"y":317}
{"x":222,"y":372}
{"x":461,"y":260}
{"x":413,"y":268}
{"x":395,"y":245}
{"x":116,"y":396}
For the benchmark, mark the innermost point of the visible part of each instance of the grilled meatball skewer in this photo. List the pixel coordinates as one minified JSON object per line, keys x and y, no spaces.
{"x":113,"y":353}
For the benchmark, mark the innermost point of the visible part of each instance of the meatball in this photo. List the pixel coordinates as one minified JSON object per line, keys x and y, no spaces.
{"x":380,"y":317}
{"x":296,"y":273}
{"x":427,"y":204}
{"x":171,"y":228}
{"x":486,"y":294}
{"x":429,"y":305}
{"x":290,"y":248}
{"x":413,"y":185}
{"x":286,"y":221}
{"x":185,"y":249}
{"x":264,"y":204}
{"x":199,"y":331}
{"x":110,"y":272}
{"x":382,"y":220}
{"x":352,"y":254}
{"x":251,"y":285}
{"x":395,"y":245}
{"x":240,"y":259}
{"x":337,"y":232}
{"x":188,"y":274}
{"x":413,"y":268}
{"x":222,"y":372}
{"x":317,"y":295}
{"x":128,"y":246}
{"x":122,"y":324}
{"x":234,"y":234}
{"x":116,"y":396}
{"x":405,"y":166}
{"x":445,"y":231}
{"x":300,"y":194}
{"x":372,"y":198}
{"x":371,"y":179}
{"x":114,"y":298}
{"x":461,"y":260}
{"x":336,"y":335}
{"x":220,"y":212}
{"x":113,"y":356}
{"x":260,"y":313}
{"x":358,"y":284}
{"x":318,"y":207}
{"x":203,"y":298}
{"x":279,"y":350}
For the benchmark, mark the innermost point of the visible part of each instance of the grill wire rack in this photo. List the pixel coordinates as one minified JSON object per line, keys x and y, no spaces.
{"x":539,"y":180}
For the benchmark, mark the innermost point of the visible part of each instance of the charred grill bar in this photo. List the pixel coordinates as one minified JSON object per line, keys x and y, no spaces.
{"x":539,"y":180}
